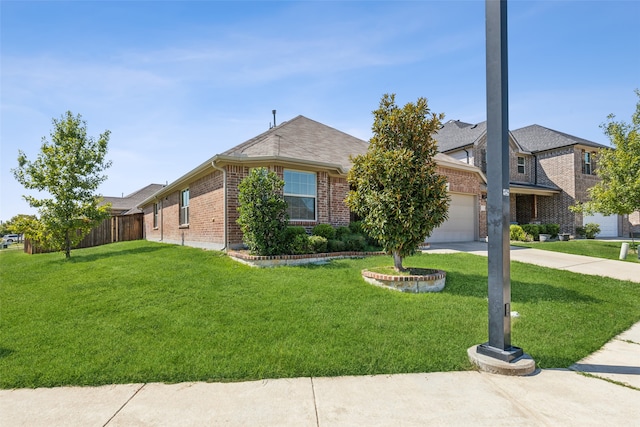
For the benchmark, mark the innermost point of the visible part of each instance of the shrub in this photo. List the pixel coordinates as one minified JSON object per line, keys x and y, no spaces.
{"x":517,"y":233}
{"x":591,"y":230}
{"x":553,"y":229}
{"x":300,"y":245}
{"x":356,"y":227}
{"x":318,"y":244}
{"x":354,"y":242}
{"x":341,"y":232}
{"x":324,"y":230}
{"x":295,"y":241}
{"x":262,"y":212}
{"x":581,"y":232}
{"x":334,"y":245}
{"x":542,"y":229}
{"x":532,"y":230}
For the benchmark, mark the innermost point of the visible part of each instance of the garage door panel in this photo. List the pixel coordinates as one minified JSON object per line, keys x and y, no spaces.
{"x":608,"y":224}
{"x":461,"y":225}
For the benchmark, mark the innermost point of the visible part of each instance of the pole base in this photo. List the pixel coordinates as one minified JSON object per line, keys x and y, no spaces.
{"x":521,"y":366}
{"x":507,"y":355}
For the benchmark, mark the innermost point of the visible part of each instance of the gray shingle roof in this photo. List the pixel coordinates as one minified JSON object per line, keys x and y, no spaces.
{"x":456,"y":134}
{"x":304,"y":139}
{"x":127,"y":205}
{"x":536,"y":138}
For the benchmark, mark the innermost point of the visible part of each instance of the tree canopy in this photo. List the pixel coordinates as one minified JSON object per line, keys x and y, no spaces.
{"x":18,"y":224}
{"x":394,"y":186}
{"x":69,"y":168}
{"x":618,"y":192}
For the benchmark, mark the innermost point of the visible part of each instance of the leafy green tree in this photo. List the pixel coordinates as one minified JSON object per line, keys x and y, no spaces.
{"x":395,"y":188}
{"x":18,"y":224}
{"x":262,"y":211}
{"x":69,"y":169}
{"x":618,"y":192}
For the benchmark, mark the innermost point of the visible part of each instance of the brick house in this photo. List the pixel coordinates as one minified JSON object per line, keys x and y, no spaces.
{"x":548,"y":170}
{"x":200,"y":208}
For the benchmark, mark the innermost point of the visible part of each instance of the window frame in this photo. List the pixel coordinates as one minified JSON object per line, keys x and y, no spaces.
{"x":521,"y":165}
{"x":301,"y":195}
{"x":183,"y":213}
{"x":156,"y":210}
{"x":587,"y":166}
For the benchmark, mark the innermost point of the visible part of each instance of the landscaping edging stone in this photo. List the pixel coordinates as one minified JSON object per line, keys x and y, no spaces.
{"x":280,"y":260}
{"x":432,"y":282}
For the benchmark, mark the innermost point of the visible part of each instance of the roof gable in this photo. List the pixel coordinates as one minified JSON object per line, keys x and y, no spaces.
{"x":303,"y":139}
{"x":456,"y":134}
{"x":536,"y":138}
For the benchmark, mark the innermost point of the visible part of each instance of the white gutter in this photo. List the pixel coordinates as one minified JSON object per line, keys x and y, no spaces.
{"x":224,"y":201}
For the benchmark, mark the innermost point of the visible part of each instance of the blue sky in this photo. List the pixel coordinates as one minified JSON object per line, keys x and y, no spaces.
{"x":178,"y":82}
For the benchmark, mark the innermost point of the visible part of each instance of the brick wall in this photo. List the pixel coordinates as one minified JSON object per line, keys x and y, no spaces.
{"x":235,"y":174}
{"x":339,"y":214}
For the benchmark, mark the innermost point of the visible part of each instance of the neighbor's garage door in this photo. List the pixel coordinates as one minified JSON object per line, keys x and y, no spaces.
{"x":608,"y":224}
{"x":461,"y":225}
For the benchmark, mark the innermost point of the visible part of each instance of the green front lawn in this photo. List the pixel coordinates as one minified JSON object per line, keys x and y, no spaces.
{"x":595,"y":248}
{"x":145,"y":312}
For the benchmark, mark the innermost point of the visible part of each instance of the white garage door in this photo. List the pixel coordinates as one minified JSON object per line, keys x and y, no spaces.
{"x":608,"y":224}
{"x":461,"y":225}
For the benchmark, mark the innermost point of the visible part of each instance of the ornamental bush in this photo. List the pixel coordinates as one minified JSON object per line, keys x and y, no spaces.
{"x":262,"y":212}
{"x":341,"y":232}
{"x":517,"y":233}
{"x":553,"y":229}
{"x":296,"y":241}
{"x":324,"y":230}
{"x":335,"y":245}
{"x":318,"y":244}
{"x":591,"y":230}
{"x":532,"y":230}
{"x":354,"y":242}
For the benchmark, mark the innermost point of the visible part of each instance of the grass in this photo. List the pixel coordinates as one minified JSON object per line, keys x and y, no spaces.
{"x":594,"y":248}
{"x":147,"y":312}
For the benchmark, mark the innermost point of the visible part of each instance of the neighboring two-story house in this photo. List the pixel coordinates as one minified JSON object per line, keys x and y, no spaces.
{"x":548,"y":172}
{"x":200,"y":208}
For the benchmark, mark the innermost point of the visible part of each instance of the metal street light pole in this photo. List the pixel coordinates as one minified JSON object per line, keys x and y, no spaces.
{"x":499,"y":345}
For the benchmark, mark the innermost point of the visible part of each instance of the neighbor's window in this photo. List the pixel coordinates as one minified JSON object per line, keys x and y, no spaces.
{"x":300,"y":194}
{"x":184,"y":207}
{"x":587,"y":163}
{"x":155,"y":215}
{"x":520,"y":164}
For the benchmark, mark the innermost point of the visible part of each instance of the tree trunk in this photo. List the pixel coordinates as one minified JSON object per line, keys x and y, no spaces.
{"x":67,"y":246}
{"x":397,"y":261}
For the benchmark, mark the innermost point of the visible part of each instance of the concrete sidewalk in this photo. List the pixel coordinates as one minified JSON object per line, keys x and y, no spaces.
{"x":621,"y":270}
{"x":608,"y":395}
{"x":547,"y":398}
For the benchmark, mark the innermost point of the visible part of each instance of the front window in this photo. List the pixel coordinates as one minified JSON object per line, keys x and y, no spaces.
{"x":184,"y":207}
{"x":520,"y":164}
{"x":155,"y":215}
{"x":300,"y":194}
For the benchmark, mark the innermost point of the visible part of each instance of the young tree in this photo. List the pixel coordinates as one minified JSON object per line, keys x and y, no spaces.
{"x":395,"y":188}
{"x":263,"y":215}
{"x":618,"y":192}
{"x":69,"y":169}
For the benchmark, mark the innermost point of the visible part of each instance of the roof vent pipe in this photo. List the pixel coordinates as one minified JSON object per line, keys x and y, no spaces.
{"x":274,"y":117}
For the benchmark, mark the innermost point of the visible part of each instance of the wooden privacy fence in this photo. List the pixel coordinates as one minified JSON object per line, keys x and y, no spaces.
{"x":112,"y":229}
